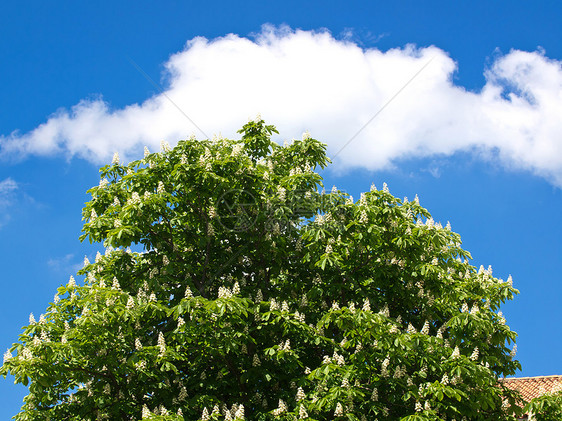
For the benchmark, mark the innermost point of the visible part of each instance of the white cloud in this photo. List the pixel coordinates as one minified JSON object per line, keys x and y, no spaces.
{"x":7,"y":188}
{"x":65,"y":264}
{"x":302,"y":80}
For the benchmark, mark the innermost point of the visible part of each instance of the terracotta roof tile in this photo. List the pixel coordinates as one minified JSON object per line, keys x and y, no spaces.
{"x":533,"y":387}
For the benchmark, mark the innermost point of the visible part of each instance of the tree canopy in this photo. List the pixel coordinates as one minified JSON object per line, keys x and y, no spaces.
{"x":255,"y":294}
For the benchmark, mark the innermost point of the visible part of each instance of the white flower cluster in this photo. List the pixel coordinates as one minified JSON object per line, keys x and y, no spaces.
{"x":302,"y":412}
{"x":160,"y":189}
{"x":510,"y":281}
{"x":338,"y":359}
{"x":319,"y":220}
{"x":456,"y":353}
{"x":363,"y":218}
{"x":237,"y":149}
{"x":474,"y":355}
{"x":164,"y":146}
{"x":339,"y":410}
{"x":103,"y":183}
{"x":161,"y":344}
{"x":281,"y":193}
{"x":295,"y":171}
{"x":501,"y":318}
{"x":236,"y":288}
{"x":300,"y":317}
{"x":366,"y":305}
{"x":384,"y":367}
{"x":134,"y":200}
{"x":285,"y":346}
{"x":399,"y":371}
{"x":130,"y":303}
{"x":385,"y":311}
{"x":238,"y":411}
{"x":206,"y":159}
{"x":224,"y":292}
{"x":281,"y":408}
{"x":26,"y":354}
{"x":385,"y":188}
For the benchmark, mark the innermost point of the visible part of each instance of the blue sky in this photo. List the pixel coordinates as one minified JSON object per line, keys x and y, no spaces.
{"x":476,"y":134}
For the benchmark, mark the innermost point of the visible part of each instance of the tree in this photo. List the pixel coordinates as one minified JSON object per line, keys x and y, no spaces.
{"x":547,"y":407}
{"x":256,"y":295}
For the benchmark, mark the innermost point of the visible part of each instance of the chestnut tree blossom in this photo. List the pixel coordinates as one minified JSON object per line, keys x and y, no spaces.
{"x":257,"y":295}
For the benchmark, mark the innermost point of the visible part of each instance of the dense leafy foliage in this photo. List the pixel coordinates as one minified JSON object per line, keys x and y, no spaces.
{"x":257,"y":295}
{"x":547,"y":407}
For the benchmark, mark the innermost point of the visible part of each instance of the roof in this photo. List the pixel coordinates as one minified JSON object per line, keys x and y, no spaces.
{"x":533,"y":387}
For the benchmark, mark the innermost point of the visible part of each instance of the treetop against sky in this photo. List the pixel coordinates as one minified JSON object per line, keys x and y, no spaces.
{"x":257,"y":294}
{"x":457,"y":103}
